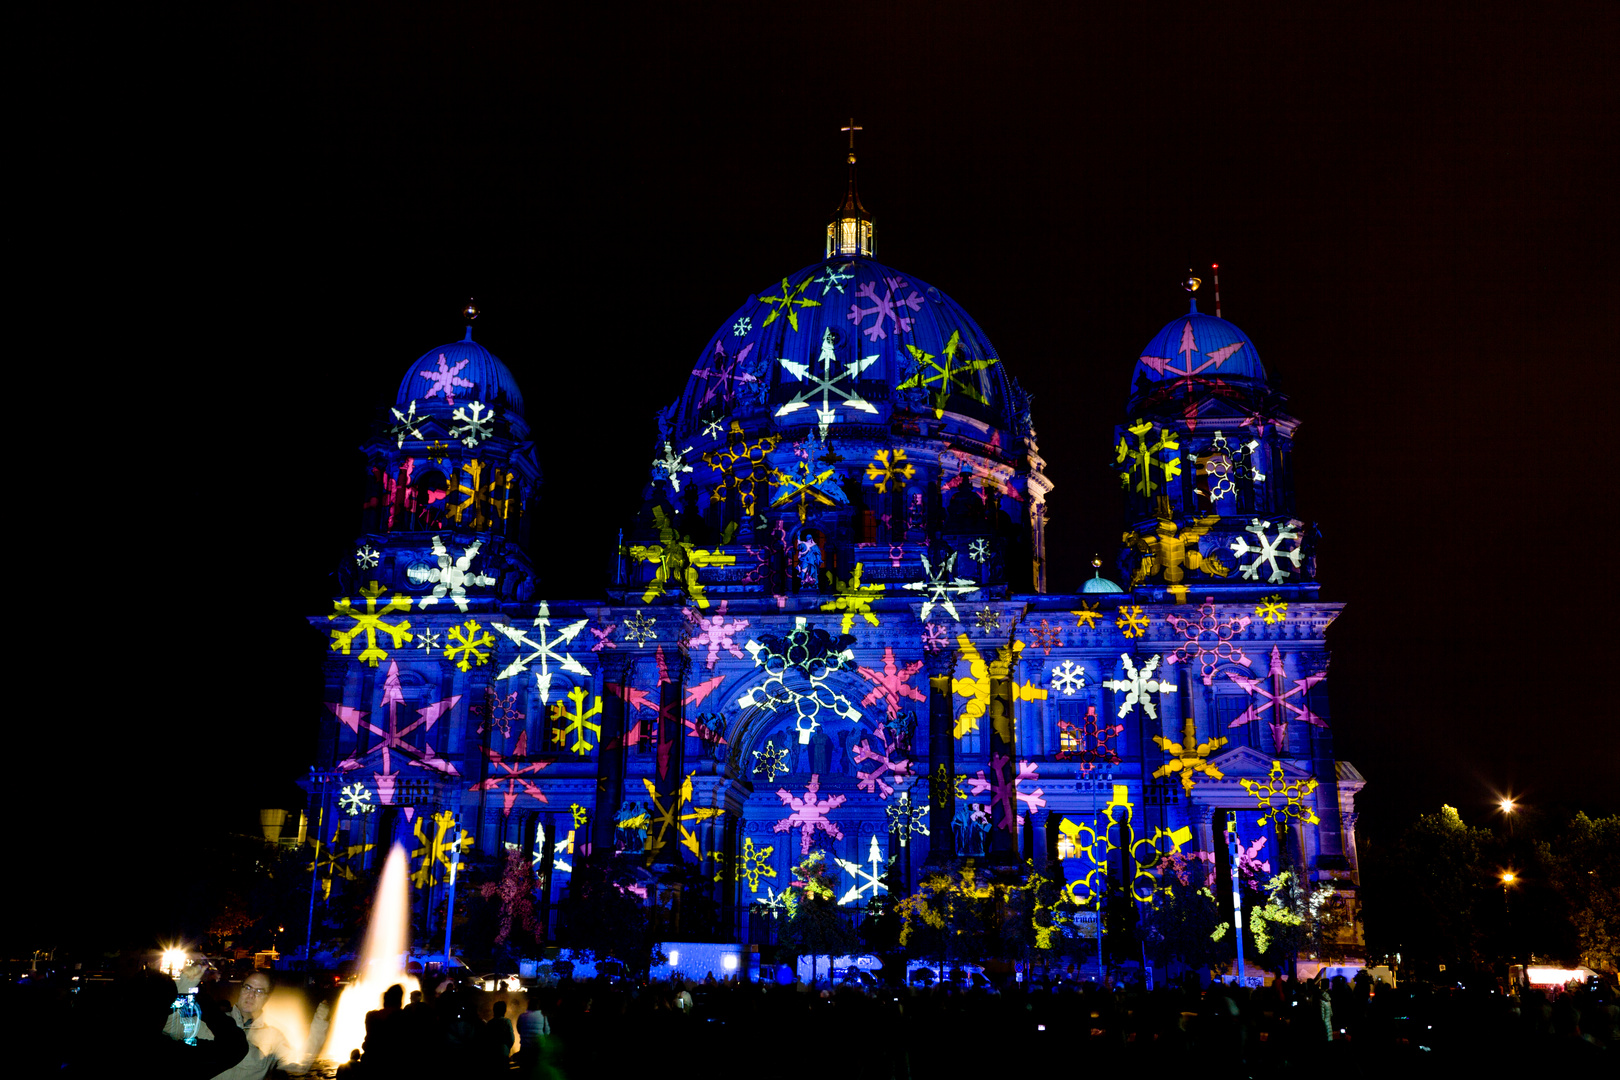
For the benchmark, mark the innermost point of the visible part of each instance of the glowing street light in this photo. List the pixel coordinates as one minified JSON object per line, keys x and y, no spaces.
{"x":1507,"y":806}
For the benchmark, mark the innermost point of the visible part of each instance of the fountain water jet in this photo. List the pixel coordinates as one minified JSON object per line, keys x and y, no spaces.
{"x":382,"y":960}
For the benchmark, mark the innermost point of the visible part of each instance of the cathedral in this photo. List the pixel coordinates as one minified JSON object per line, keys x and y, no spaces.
{"x":828,"y":627}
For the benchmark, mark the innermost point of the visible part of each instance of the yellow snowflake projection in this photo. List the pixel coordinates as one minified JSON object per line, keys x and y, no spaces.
{"x":805,"y":487}
{"x":487,"y":500}
{"x":1172,"y":551}
{"x":668,"y":819}
{"x":885,"y":468}
{"x":1189,"y":756}
{"x":369,"y":622}
{"x":469,"y":647}
{"x":1144,"y":458}
{"x":335,"y":862}
{"x":576,"y":722}
{"x":1079,"y":842}
{"x":438,"y":856}
{"x":1273,"y":609}
{"x":976,"y":687}
{"x":942,"y":786}
{"x":853,"y":598}
{"x":1090,"y":849}
{"x":1131,"y":621}
{"x":753,"y":865}
{"x":581,"y":815}
{"x":946,"y":378}
{"x":741,"y":464}
{"x":789,"y":303}
{"x":1086,"y":615}
{"x":677,"y":560}
{"x":1146,"y":854}
{"x":1281,"y":799}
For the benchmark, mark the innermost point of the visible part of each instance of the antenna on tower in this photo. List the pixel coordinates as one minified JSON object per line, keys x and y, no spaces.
{"x":1215,"y":268}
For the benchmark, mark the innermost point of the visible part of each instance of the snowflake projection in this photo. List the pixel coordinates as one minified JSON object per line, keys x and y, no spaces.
{"x":809,"y":814}
{"x":405,"y":423}
{"x":671,"y":465}
{"x":500,"y":711}
{"x":853,"y":598}
{"x":774,"y":905}
{"x":808,"y":484}
{"x":514,"y":773}
{"x":892,"y":683}
{"x":429,"y":641}
{"x":470,"y":645}
{"x":835,"y":277}
{"x":438,"y":451}
{"x":889,"y":467}
{"x":1209,"y":639}
{"x":976,"y":687}
{"x":905,"y":819}
{"x":1184,"y":864}
{"x":940,"y":584}
{"x":979,"y":551}
{"x":604,"y":637}
{"x":942,"y":786}
{"x":1088,"y":743}
{"x":445,"y":380}
{"x":742,"y":327}
{"x":639,"y":629}
{"x":1267,"y":551}
{"x":436,"y":860}
{"x":576,"y":722}
{"x":1186,"y":375}
{"x":1272,"y":609}
{"x":487,"y":501}
{"x":1068,"y":677}
{"x":395,"y":493}
{"x":1137,"y":685}
{"x":934,"y":638}
{"x":1189,"y":756}
{"x":988,"y":620}
{"x":1281,"y":799}
{"x":669,"y":821}
{"x":831,"y":381}
{"x":796,"y":672}
{"x":677,"y":560}
{"x":946,"y":378}
{"x":714,"y":427}
{"x":885,"y":760}
{"x":366,"y":557}
{"x":1046,"y":637}
{"x":393,"y":740}
{"x":1145,"y":457}
{"x":355,"y":800}
{"x":789,"y":303}
{"x":1226,"y":464}
{"x":709,"y":728}
{"x":725,"y":375}
{"x":1002,"y":784}
{"x":1148,"y":854}
{"x":867,"y":882}
{"x":1275,"y":701}
{"x":544,"y":650}
{"x":1131,"y":622}
{"x":1172,"y":551}
{"x":887,"y":308}
{"x":475,"y":424}
{"x":1081,"y":844}
{"x":770,"y":761}
{"x":715,"y":633}
{"x":754,"y":864}
{"x":1087,"y":615}
{"x":337,"y":862}
{"x":369,"y":622}
{"x":451,"y":577}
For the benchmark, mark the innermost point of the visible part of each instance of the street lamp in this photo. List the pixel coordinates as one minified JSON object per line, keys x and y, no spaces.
{"x":1507,"y":805}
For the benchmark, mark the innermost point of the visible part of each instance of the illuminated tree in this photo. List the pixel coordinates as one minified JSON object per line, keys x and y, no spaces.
{"x":815,"y":927}
{"x":516,"y":890}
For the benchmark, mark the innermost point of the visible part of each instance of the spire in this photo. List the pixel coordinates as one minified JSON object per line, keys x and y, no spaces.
{"x":850,"y":231}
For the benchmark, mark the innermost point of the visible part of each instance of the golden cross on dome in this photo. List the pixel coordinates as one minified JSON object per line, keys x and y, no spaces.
{"x":852,"y":127}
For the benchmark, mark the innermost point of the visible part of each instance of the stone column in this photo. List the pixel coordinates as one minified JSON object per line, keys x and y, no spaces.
{"x":670,"y":767}
{"x":1003,"y":764}
{"x":941,"y":771}
{"x":610,"y":758}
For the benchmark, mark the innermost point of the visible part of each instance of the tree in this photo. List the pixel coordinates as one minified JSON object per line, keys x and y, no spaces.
{"x":605,"y":913}
{"x":1583,"y":870}
{"x":1185,"y":926}
{"x":1434,"y":894}
{"x":815,"y":926}
{"x":516,"y":891}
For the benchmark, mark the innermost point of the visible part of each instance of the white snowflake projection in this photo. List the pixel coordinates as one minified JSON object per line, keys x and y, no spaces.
{"x":889,"y":467}
{"x":835,"y":277}
{"x":513,"y":773}
{"x":742,"y":327}
{"x":773,"y":905}
{"x":753,"y":864}
{"x":475,"y":423}
{"x":639,"y":629}
{"x":1272,"y":609}
{"x":886,"y":760}
{"x":1068,"y":678}
{"x":988,"y":620}
{"x":429,"y":641}
{"x":934,"y":638}
{"x":392,"y":741}
{"x":369,"y":622}
{"x":1137,"y":685}
{"x":892,"y":683}
{"x":809,"y":814}
{"x":976,"y":687}
{"x":905,"y":819}
{"x":451,"y":577}
{"x":1226,"y":464}
{"x":1275,"y":700}
{"x":366,"y":557}
{"x":470,"y":645}
{"x":1209,"y":639}
{"x":355,"y":800}
{"x":770,"y":761}
{"x":445,"y":380}
{"x":576,"y":723}
{"x":789,"y":303}
{"x":671,"y":465}
{"x":947,"y":378}
{"x":544,"y":650}
{"x":853,"y":598}
{"x":979,"y":551}
{"x":940,"y":584}
{"x":867,"y":882}
{"x":440,"y":854}
{"x":714,"y":428}
{"x":715,"y":633}
{"x":1267,"y":550}
{"x":887,"y":308}
{"x":405,"y":423}
{"x":832,"y":381}
{"x":796,"y":672}
{"x":1144,"y":458}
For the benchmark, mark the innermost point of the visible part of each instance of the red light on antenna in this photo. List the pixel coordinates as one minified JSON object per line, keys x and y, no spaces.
{"x":1214,"y":266}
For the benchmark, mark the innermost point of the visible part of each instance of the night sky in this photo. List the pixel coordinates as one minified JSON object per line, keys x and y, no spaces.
{"x":1413,"y":213}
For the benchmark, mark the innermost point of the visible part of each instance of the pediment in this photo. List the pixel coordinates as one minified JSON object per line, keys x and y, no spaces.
{"x":1245,"y":761}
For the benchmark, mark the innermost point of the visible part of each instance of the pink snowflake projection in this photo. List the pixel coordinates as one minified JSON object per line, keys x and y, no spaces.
{"x":809,"y":814}
{"x":544,"y":650}
{"x":396,"y":494}
{"x":392,"y":740}
{"x":604,"y":637}
{"x":1088,"y":743}
{"x":452,"y":576}
{"x":724,"y":375}
{"x":1195,"y":868}
{"x":886,"y":761}
{"x":1184,"y":375}
{"x":708,"y":728}
{"x":514,"y":774}
{"x":716,"y":633}
{"x":1046,"y":637}
{"x":1002,"y":784}
{"x":934,"y":638}
{"x":1275,"y":700}
{"x":445,"y":380}
{"x":369,"y":622}
{"x":1209,"y":639}
{"x":885,"y":307}
{"x":892,"y":683}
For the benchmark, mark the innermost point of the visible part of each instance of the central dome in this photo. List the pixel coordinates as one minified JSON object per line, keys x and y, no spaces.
{"x":853,"y":338}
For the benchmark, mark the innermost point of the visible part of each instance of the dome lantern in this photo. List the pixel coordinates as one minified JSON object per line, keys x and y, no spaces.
{"x":850,"y":231}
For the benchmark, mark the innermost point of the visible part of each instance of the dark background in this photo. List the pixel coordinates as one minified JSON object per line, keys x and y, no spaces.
{"x":257,"y":219}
